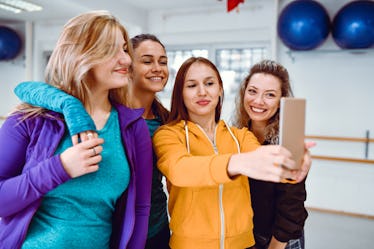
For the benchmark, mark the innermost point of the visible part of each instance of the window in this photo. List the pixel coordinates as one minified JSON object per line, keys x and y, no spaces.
{"x":175,"y":60}
{"x":232,"y":63}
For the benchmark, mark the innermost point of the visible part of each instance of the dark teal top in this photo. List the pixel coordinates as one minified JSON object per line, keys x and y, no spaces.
{"x":158,"y":217}
{"x":78,"y":213}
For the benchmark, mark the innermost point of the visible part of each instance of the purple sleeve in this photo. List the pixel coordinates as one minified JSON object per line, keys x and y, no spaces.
{"x":18,"y":187}
{"x":143,"y":147}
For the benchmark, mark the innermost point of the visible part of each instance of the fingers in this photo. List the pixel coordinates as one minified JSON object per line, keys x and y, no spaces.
{"x":310,"y":144}
{"x":75,"y":139}
{"x":96,"y":150}
{"x":87,"y":135}
{"x":83,"y":136}
{"x":284,"y":162}
{"x":282,"y":174}
{"x":91,"y":143}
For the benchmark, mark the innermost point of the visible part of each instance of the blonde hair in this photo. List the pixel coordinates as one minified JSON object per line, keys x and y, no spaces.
{"x":85,"y":41}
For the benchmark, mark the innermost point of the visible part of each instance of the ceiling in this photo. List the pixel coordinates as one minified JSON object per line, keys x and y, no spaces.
{"x":59,"y":9}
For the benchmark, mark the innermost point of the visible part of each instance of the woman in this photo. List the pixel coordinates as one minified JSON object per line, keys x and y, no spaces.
{"x":207,"y":163}
{"x":58,"y":193}
{"x":279,"y":212}
{"x":149,"y":75}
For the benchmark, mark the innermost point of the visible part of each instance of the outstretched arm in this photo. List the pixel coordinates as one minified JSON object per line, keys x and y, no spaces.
{"x":49,"y":97}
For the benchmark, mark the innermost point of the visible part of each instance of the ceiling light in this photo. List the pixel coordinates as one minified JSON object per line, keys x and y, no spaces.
{"x":18,"y":6}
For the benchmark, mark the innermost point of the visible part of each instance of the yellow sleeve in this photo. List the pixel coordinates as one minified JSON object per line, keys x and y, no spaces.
{"x":183,"y":169}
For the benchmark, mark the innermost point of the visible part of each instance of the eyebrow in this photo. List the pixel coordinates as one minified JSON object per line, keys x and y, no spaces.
{"x":268,"y":90}
{"x":150,"y":55}
{"x":206,"y":78}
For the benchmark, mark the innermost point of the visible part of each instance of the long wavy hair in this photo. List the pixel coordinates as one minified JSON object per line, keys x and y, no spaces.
{"x":85,"y":41}
{"x":178,"y":110}
{"x":157,"y":108}
{"x":242,"y":118}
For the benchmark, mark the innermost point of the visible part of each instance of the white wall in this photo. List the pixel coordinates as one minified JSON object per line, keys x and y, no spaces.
{"x":338,"y":87}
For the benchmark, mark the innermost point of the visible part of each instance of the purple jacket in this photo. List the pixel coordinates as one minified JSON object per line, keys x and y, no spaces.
{"x":29,"y":169}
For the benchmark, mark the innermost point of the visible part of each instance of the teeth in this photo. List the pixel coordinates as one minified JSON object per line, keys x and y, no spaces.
{"x":156,"y":78}
{"x":257,"y":109}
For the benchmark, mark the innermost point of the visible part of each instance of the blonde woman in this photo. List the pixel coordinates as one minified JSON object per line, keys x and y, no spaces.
{"x":149,"y":74}
{"x":85,"y":192}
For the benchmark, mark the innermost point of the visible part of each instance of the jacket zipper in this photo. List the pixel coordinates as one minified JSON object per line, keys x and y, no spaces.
{"x":220,"y":194}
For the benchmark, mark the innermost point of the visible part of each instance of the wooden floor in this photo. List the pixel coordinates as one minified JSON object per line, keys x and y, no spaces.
{"x":338,"y":231}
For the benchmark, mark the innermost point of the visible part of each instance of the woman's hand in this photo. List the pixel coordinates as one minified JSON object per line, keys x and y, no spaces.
{"x":307,"y":163}
{"x":267,"y":163}
{"x":82,"y":158}
{"x":83,"y":136}
{"x":276,"y":244}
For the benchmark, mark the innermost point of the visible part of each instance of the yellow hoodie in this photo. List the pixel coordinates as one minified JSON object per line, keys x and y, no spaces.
{"x":208,"y":208}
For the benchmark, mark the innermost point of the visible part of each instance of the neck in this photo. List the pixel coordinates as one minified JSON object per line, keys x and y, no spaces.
{"x":99,"y":107}
{"x":258,"y":129}
{"x":208,"y":125}
{"x":138,"y":99}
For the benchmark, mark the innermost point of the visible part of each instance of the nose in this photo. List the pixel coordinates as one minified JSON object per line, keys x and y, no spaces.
{"x":124,"y":58}
{"x":156,"y":67}
{"x":201,"y":89}
{"x":258,"y":99}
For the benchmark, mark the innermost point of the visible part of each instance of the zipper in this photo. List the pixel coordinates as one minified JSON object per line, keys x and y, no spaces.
{"x":222,"y":217}
{"x":220,"y":192}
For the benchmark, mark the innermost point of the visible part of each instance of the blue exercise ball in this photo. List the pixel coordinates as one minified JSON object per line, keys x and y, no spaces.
{"x":10,"y":43}
{"x":353,"y":25}
{"x":303,"y":25}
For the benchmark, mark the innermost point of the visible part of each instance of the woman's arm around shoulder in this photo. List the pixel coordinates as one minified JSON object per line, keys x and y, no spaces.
{"x":49,"y":97}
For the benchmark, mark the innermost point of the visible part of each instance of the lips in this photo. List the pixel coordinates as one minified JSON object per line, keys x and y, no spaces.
{"x":203,"y":102}
{"x":257,"y":110}
{"x":122,"y":70}
{"x":155,"y":78}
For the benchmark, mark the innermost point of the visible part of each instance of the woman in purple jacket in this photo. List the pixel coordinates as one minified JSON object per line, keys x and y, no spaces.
{"x":88,"y":191}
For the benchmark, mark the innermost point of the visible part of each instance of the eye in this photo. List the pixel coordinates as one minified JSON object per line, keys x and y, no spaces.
{"x":210,"y":83}
{"x":270,"y":95}
{"x":190,"y":85}
{"x":252,"y":91}
{"x":164,"y":63}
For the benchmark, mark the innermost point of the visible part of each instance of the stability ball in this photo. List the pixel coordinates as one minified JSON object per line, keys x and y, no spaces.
{"x":10,"y":43}
{"x":303,"y":25}
{"x":353,"y":25}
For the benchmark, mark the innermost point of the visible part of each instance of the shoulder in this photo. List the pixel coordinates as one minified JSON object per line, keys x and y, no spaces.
{"x":20,"y":123}
{"x":245,"y":137}
{"x":169,"y":131}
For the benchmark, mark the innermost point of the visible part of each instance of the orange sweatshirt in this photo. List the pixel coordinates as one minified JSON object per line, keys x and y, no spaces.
{"x":208,"y":208}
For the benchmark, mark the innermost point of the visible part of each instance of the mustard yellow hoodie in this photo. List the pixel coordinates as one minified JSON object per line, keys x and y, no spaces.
{"x":208,"y":209}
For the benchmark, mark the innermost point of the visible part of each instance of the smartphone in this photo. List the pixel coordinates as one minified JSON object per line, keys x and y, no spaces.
{"x":292,"y":127}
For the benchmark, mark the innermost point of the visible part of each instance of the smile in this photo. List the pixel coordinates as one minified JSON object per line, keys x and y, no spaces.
{"x":122,"y":70}
{"x":258,"y":110}
{"x":155,"y":78}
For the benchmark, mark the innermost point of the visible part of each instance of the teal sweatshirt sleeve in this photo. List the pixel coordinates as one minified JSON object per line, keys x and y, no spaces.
{"x":49,"y":97}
